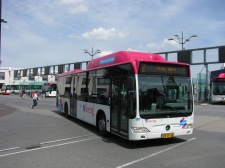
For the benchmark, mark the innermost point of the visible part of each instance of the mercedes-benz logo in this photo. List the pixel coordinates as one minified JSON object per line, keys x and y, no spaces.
{"x":167,"y":127}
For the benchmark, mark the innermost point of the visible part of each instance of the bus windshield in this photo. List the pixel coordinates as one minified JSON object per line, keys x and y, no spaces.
{"x":218,"y":88}
{"x":164,"y":96}
{"x":49,"y":87}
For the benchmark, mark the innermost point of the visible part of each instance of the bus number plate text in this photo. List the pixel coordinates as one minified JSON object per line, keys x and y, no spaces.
{"x":168,"y":135}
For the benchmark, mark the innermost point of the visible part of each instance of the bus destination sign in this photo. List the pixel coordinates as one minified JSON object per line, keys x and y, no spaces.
{"x":219,"y":79}
{"x":163,"y":69}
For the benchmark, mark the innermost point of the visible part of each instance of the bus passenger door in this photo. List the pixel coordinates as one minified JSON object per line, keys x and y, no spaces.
{"x":119,"y":107}
{"x":73,"y":97}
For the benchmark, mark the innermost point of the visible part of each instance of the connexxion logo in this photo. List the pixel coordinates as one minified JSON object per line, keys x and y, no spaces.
{"x":87,"y":109}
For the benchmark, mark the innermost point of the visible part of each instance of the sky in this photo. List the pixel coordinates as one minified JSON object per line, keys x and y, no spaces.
{"x":49,"y":32}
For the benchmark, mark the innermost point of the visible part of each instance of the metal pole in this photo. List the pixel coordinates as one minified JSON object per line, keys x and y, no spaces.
{"x":2,"y":20}
{"x":166,"y":56}
{"x":182,"y":40}
{"x":206,"y":82}
{"x":197,"y":89}
{"x":92,"y":53}
{"x":0,"y":32}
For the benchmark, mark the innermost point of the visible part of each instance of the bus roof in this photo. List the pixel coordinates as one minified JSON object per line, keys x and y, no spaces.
{"x":221,"y":78}
{"x":122,"y":57}
{"x":216,"y":73}
{"x":222,"y":75}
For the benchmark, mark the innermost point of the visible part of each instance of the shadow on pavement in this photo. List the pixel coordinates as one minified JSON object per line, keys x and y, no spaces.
{"x":111,"y":138}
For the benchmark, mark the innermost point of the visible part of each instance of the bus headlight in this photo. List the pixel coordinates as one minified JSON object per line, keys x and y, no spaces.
{"x":189,"y":126}
{"x":139,"y":129}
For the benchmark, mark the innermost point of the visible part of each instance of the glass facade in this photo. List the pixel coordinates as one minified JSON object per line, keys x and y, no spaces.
{"x":2,"y":75}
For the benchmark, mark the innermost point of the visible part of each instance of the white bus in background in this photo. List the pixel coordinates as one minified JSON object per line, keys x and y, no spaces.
{"x":50,"y":89}
{"x":218,"y":89}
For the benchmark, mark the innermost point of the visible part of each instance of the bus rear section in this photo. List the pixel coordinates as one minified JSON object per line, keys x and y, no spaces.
{"x":137,"y":96}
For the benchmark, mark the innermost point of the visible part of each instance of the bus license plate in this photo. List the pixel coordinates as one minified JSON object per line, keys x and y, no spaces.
{"x":168,"y":135}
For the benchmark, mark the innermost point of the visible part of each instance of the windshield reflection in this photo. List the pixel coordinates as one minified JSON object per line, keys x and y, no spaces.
{"x":167,"y":96}
{"x":219,"y":88}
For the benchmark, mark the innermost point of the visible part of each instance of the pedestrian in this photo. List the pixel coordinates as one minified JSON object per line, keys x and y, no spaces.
{"x":35,"y":99}
{"x":44,"y":93}
{"x":39,"y":94}
{"x":24,"y":93}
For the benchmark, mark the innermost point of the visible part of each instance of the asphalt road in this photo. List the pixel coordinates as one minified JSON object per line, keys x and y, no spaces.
{"x":44,"y":138}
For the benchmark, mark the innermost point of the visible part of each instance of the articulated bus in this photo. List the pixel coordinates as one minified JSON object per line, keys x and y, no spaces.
{"x":218,"y":89}
{"x":29,"y":88}
{"x":14,"y":88}
{"x":50,"y":89}
{"x":137,"y":96}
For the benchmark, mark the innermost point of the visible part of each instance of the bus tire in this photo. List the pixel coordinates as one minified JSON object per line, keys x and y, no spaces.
{"x":66,"y":110}
{"x":102,"y":125}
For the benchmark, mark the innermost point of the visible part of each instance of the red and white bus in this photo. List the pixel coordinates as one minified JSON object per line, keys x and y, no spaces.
{"x":218,"y":89}
{"x":50,"y":89}
{"x":5,"y":90}
{"x":135,"y":95}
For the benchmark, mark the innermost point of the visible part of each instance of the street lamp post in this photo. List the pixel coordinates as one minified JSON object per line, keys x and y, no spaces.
{"x":2,"y":21}
{"x":92,"y":54}
{"x":180,"y":40}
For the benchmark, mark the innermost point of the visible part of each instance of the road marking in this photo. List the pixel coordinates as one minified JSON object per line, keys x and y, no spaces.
{"x":66,"y":139}
{"x":3,"y":150}
{"x":154,"y":154}
{"x":46,"y":147}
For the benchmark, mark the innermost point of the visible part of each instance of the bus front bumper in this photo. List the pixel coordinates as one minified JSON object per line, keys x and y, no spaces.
{"x":151,"y":135}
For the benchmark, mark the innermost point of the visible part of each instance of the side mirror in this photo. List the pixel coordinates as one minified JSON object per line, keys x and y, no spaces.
{"x":130,"y":83}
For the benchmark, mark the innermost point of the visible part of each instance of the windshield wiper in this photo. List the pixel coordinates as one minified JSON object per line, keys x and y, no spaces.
{"x":181,"y":113}
{"x":176,"y":112}
{"x":166,"y":115}
{"x":147,"y":116}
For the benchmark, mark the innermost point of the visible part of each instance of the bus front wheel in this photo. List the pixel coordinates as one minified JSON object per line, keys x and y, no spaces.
{"x":102,"y":125}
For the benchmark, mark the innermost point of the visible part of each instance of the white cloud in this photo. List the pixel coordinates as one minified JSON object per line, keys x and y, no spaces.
{"x":130,"y":49}
{"x":152,"y":45}
{"x":123,"y":34}
{"x":161,"y":45}
{"x":171,"y":42}
{"x":74,"y":6}
{"x":104,"y":53}
{"x":103,"y":34}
